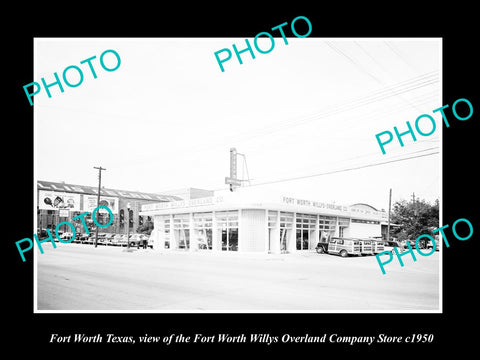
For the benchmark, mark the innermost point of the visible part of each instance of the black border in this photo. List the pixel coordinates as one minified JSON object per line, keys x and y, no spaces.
{"x":455,"y":24}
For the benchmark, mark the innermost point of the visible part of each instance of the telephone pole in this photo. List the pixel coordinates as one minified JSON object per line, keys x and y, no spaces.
{"x":414,"y":205}
{"x":98,"y":197}
{"x":389,"y":207}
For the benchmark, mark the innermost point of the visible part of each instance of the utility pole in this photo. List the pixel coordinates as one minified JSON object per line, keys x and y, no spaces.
{"x":389,"y":208}
{"x":98,"y":197}
{"x":414,"y":205}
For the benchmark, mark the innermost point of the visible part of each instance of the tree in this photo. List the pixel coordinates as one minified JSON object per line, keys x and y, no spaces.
{"x":145,"y":228}
{"x":414,"y":219}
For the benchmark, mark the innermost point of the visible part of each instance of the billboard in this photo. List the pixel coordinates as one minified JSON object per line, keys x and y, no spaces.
{"x":90,"y":203}
{"x":54,"y":200}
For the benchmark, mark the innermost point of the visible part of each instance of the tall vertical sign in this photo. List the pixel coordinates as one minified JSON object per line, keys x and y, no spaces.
{"x":232,"y":180}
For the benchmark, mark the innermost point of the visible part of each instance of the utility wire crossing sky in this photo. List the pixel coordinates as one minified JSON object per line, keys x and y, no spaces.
{"x":305,"y":116}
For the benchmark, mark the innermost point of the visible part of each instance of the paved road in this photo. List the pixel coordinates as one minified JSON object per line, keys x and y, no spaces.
{"x":80,"y":277}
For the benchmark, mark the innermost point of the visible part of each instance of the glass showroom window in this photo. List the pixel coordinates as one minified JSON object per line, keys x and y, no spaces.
{"x":286,"y":225}
{"x":272,"y":219}
{"x":181,"y":230}
{"x":227,"y":227}
{"x":326,"y":225}
{"x":166,"y":230}
{"x":342,"y":224}
{"x":305,"y":226}
{"x":203,"y":230}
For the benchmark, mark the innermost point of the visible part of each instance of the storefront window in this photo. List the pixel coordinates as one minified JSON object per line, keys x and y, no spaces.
{"x":299,"y":239}
{"x":305,"y":240}
{"x":167,"y":239}
{"x":227,"y":222}
{"x":233,"y":239}
{"x":272,"y":219}
{"x":203,"y":229}
{"x":184,"y":239}
{"x":286,"y":220}
{"x":305,"y":227}
{"x":327,"y":223}
{"x":283,"y":240}
{"x":205,"y":239}
{"x":181,"y":231}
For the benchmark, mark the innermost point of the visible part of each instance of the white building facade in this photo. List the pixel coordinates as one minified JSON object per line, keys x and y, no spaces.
{"x":247,"y":222}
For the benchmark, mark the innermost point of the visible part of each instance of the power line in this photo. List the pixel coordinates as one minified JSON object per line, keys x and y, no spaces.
{"x":338,"y":51}
{"x":397,"y":53}
{"x":354,"y":104}
{"x":339,"y":171}
{"x":386,"y":70}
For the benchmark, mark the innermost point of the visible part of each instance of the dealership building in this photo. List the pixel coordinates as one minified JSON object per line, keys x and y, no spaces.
{"x":249,"y":221}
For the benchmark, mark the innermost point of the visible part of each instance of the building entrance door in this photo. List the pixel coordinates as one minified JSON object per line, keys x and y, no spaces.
{"x":303,"y":237}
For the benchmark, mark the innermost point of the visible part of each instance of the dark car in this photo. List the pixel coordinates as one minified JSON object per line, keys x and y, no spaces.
{"x":83,"y":237}
{"x":322,"y":246}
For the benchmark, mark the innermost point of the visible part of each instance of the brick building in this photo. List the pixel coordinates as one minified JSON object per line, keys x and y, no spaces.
{"x":58,"y":202}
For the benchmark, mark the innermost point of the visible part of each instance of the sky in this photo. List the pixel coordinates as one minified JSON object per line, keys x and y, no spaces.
{"x":168,"y":116}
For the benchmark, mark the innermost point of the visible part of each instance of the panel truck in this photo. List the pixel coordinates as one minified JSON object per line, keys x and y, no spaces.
{"x":366,"y":246}
{"x":377,"y":245}
{"x":339,"y":246}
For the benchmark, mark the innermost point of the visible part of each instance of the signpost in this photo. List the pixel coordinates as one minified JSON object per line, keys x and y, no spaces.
{"x":232,"y":179}
{"x":236,"y":182}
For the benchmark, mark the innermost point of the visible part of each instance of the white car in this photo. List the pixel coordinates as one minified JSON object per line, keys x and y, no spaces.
{"x":66,"y":236}
{"x":389,"y":245}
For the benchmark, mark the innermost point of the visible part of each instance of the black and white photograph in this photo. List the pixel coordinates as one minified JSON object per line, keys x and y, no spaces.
{"x":268,"y":192}
{"x":263,"y":181}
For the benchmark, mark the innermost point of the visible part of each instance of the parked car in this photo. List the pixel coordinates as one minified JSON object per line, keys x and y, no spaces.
{"x":118,"y":240}
{"x":54,"y":235}
{"x":81,"y":238}
{"x":340,"y":246}
{"x":108,"y":239}
{"x":344,"y":246}
{"x":66,"y":236}
{"x":411,"y":242}
{"x":137,"y":239}
{"x":437,"y":245}
{"x":91,"y":238}
{"x":377,"y":245}
{"x":124,"y":240}
{"x":101,"y":238}
{"x":366,"y":247}
{"x":42,"y":233}
{"x":322,"y":246}
{"x":150,"y":241}
{"x":389,"y":245}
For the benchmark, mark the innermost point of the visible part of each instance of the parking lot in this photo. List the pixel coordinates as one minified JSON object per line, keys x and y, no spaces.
{"x":106,"y":278}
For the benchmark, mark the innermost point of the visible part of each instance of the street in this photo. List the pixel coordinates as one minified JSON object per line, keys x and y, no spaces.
{"x":82,"y":277}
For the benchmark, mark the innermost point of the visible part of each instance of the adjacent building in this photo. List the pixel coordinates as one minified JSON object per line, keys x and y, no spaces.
{"x":58,"y":202}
